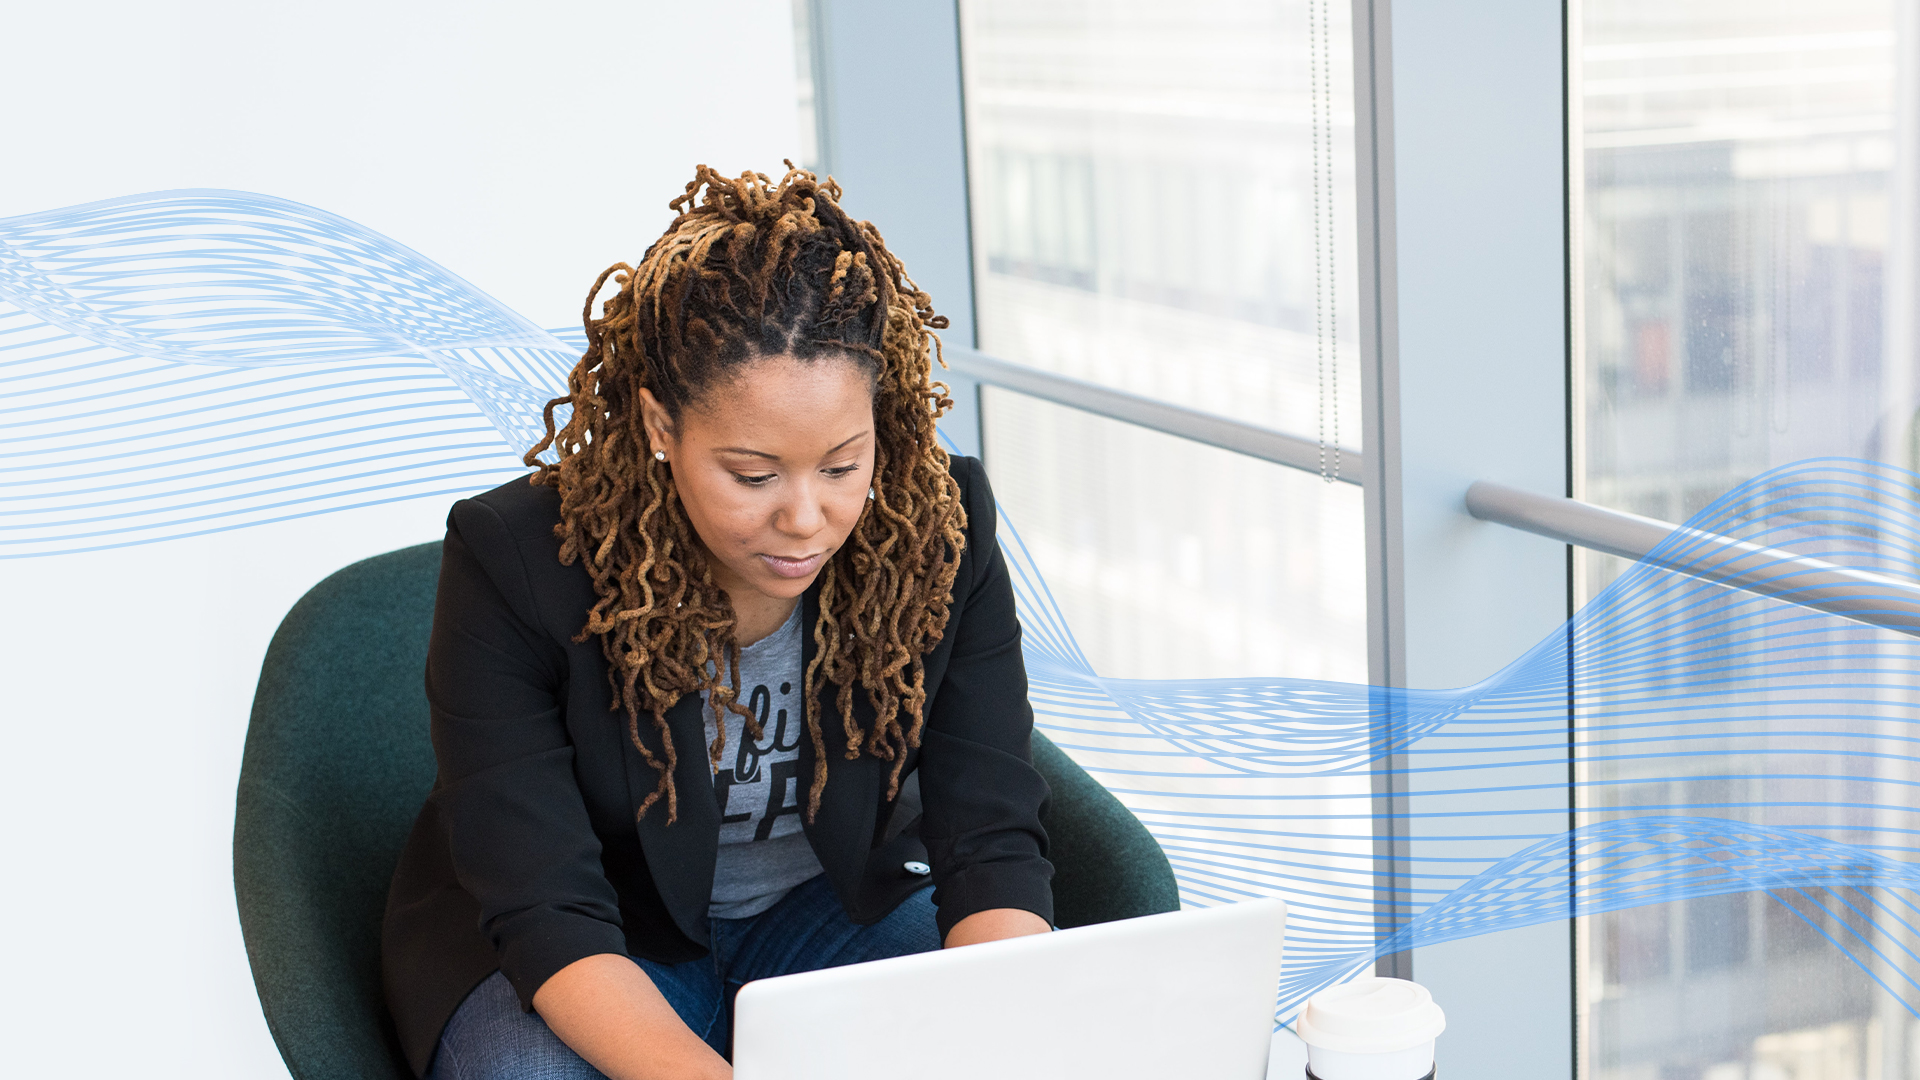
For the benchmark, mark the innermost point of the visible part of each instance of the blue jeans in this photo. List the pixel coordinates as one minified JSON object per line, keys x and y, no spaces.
{"x":490,"y":1038}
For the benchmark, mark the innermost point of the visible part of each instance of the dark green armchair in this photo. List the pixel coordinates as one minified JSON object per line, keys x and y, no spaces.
{"x":337,"y":763}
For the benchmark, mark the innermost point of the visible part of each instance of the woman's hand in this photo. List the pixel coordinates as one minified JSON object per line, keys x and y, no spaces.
{"x":995,"y":924}
{"x":610,"y":1013}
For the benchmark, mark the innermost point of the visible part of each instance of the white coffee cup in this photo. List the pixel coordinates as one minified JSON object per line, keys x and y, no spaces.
{"x":1371,"y":1029}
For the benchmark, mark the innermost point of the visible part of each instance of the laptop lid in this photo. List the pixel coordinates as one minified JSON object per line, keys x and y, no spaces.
{"x":1188,"y":994}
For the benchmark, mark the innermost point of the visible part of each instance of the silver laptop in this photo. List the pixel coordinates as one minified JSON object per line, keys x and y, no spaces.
{"x":1188,"y":995}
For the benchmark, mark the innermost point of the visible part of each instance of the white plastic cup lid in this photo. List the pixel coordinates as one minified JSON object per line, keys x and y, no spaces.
{"x":1371,"y":1015}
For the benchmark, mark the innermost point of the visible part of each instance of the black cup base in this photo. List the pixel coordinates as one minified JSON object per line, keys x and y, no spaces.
{"x":1431,"y":1073}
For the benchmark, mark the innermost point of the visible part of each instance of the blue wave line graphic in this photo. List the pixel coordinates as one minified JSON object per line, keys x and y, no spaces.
{"x":187,"y":334}
{"x":190,"y":361}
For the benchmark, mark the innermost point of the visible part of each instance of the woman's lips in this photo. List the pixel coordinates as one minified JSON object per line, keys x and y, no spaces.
{"x":794,"y":568}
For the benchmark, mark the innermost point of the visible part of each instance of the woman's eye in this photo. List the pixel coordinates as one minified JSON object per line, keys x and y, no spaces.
{"x":753,"y":481}
{"x":839,"y":471}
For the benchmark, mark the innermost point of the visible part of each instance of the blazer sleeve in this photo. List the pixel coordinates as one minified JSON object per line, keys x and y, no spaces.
{"x":517,"y":827}
{"x":981,"y":796}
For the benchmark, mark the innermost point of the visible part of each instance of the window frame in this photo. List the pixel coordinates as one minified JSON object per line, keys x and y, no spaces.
{"x":1465,"y":288}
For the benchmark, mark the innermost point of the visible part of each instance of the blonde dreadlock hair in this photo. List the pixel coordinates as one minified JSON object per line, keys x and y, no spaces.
{"x":753,"y":269}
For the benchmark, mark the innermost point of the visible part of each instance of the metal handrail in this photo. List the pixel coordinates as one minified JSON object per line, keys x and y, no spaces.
{"x":1864,"y":597}
{"x":1238,"y":436}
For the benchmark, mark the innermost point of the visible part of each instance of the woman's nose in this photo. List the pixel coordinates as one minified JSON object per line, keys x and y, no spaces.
{"x":801,"y":515}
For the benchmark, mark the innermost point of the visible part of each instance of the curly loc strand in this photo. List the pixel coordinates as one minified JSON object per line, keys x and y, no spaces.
{"x":810,"y":690}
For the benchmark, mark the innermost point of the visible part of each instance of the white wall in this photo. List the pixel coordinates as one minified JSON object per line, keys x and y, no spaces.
{"x":525,"y":147}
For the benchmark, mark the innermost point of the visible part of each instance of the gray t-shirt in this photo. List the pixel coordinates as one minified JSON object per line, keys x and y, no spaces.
{"x":763,"y":852}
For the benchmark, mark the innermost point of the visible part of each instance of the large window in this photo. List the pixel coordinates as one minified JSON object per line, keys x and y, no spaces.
{"x":1162,"y":203}
{"x":1746,"y":243}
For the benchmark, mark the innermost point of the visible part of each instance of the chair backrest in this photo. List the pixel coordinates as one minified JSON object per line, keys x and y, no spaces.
{"x":1106,"y":865}
{"x":336,"y":766}
{"x":337,"y":763}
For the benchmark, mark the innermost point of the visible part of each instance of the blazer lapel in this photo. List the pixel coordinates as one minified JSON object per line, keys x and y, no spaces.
{"x":681,"y":856}
{"x":844,"y":829}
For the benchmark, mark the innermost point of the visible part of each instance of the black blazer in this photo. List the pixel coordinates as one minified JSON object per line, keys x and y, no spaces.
{"x":526,"y":856}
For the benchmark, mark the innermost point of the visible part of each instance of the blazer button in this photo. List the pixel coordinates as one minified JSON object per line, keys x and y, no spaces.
{"x":916,"y":868}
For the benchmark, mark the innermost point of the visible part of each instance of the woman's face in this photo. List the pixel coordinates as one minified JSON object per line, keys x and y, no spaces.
{"x":773,"y":468}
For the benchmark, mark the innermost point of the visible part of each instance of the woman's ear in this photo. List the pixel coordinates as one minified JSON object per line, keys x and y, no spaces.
{"x":653,"y":416}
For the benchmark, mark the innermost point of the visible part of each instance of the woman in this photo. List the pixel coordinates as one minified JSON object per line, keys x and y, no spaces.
{"x":732,"y":688}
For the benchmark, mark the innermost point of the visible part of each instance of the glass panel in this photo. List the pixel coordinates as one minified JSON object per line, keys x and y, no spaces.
{"x":1746,"y":251}
{"x":1153,"y":546}
{"x":1146,"y":215}
{"x":804,"y":98}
